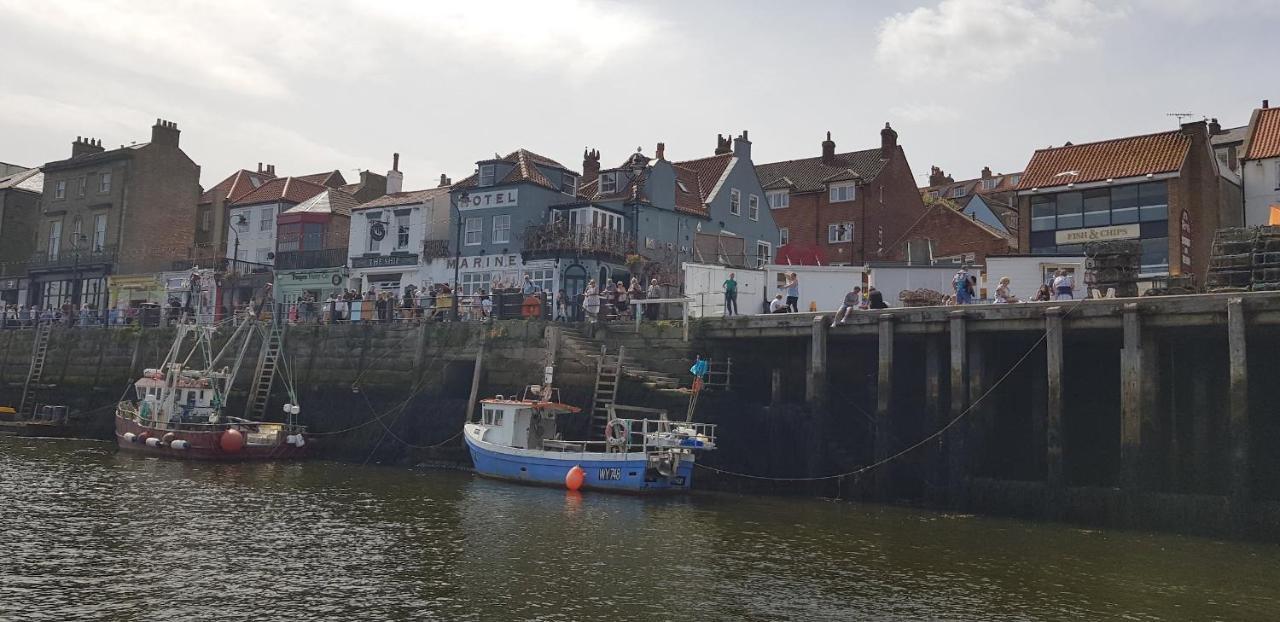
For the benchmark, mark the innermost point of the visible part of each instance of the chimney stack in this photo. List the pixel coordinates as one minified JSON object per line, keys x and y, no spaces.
{"x":445,"y":182}
{"x":395,"y":179}
{"x":1215,"y":128}
{"x":986,"y":172}
{"x":271,"y":170}
{"x":1266,"y":103}
{"x":590,"y":164}
{"x":888,"y":141}
{"x":165,"y":133}
{"x":723,"y":145}
{"x":936,"y":176}
{"x":828,"y":151}
{"x":85,"y":146}
{"x":260,"y":167}
{"x":660,"y":152}
{"x":742,"y":147}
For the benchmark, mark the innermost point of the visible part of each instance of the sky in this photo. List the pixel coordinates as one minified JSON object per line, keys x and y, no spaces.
{"x":330,"y":84}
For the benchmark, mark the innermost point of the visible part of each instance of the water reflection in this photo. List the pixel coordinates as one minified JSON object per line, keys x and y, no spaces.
{"x":89,"y":534}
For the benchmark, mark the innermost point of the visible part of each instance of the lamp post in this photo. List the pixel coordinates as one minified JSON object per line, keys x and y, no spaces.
{"x":240,"y":221}
{"x":457,"y":252}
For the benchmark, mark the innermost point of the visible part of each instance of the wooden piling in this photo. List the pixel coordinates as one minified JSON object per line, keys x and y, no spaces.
{"x":884,"y":395}
{"x":955,"y":438}
{"x":475,"y":380}
{"x":1132,"y":401}
{"x":933,"y":416}
{"x":775,"y":387}
{"x":1053,"y":409}
{"x":815,"y":389}
{"x":1238,"y":417}
{"x":978,"y":421}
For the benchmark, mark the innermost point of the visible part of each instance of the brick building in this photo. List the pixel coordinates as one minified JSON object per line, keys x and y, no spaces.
{"x":213,"y":210}
{"x":947,"y":234}
{"x":1163,"y":189}
{"x":989,"y":198}
{"x":129,"y":210}
{"x":842,"y":208}
{"x":20,"y":190}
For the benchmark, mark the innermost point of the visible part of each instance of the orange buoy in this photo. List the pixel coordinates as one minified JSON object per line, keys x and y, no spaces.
{"x":231,"y":441}
{"x":574,"y":478}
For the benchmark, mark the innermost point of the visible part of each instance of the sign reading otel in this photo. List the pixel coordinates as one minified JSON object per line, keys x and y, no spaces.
{"x":492,"y":198}
{"x":1080,"y":236}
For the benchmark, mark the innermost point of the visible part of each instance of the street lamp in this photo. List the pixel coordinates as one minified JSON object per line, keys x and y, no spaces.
{"x":239,"y":222}
{"x":457,"y":252}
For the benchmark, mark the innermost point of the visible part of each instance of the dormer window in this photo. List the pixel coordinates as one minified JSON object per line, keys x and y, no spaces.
{"x":569,"y":184}
{"x":487,"y":174}
{"x":988,"y":184}
{"x":608,"y":182}
{"x":779,"y":199}
{"x":933,"y":194}
{"x":957,"y":192}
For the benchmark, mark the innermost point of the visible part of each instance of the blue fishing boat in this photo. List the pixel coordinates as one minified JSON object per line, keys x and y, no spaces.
{"x":517,"y":439}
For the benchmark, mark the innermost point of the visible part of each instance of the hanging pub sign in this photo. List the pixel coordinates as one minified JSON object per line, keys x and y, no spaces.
{"x":1186,"y":241}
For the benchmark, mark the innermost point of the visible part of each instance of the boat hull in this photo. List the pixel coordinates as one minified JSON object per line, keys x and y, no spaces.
{"x":202,"y":445}
{"x":613,"y":472}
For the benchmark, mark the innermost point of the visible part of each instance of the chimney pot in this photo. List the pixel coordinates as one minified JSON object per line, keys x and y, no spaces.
{"x":395,"y":161}
{"x":986,"y":172}
{"x":660,"y":151}
{"x":1266,"y":103}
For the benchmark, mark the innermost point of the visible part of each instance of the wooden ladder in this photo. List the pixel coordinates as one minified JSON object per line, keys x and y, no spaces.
{"x":608,"y":373}
{"x":265,"y":374}
{"x":39,"y":350}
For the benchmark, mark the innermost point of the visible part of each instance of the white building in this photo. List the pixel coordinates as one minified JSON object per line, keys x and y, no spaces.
{"x":252,"y":217}
{"x":1260,"y":167}
{"x":401,"y":239}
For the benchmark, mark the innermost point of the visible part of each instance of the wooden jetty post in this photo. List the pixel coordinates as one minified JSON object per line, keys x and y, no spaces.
{"x":475,"y":380}
{"x":959,"y":390}
{"x":775,"y":387}
{"x":1132,"y":400}
{"x":1053,"y":410}
{"x":815,"y":388}
{"x":884,"y":395}
{"x":1238,"y":418}
{"x":933,"y":415}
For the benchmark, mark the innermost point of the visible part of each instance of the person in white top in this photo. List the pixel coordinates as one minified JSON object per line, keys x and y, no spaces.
{"x":1002,"y":292}
{"x":1063,"y":285}
{"x":778,"y":305}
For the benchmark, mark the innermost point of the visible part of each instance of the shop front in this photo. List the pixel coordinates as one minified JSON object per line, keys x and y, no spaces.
{"x":13,"y":291}
{"x":386,"y":273}
{"x":320,"y":283}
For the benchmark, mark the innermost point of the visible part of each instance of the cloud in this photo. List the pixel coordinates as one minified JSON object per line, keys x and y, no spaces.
{"x":930,"y":112}
{"x":986,"y":40}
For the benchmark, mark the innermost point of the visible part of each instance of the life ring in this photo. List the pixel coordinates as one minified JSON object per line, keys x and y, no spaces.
{"x":531,"y":307}
{"x":616,"y":436}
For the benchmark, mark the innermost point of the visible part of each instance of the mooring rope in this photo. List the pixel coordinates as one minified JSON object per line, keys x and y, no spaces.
{"x":922,"y":442}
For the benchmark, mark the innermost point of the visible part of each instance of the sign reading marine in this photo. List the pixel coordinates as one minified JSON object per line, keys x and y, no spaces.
{"x":1116,"y":232}
{"x":492,"y":198}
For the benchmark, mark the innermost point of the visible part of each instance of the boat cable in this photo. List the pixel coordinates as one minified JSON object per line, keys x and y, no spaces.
{"x":922,"y":442}
{"x":387,"y":431}
{"x":419,"y":387}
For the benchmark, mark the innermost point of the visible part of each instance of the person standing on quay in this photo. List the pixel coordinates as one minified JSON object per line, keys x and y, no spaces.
{"x":792,"y":287}
{"x":591,"y":301}
{"x":730,"y":295}
{"x":655,"y":293}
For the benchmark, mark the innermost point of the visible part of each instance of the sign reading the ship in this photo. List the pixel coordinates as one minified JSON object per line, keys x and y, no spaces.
{"x":493,"y":198}
{"x":1097,"y":234}
{"x":607,"y":474}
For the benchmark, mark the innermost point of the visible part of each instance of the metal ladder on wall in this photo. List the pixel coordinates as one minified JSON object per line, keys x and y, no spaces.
{"x":38,"y":352}
{"x":265,"y":374}
{"x":608,"y":373}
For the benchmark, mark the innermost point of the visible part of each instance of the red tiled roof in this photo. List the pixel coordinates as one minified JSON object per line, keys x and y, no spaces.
{"x":1120,"y":157}
{"x":1264,"y":140}
{"x":237,"y":185}
{"x":692,"y":198}
{"x":709,"y":170}
{"x":974,"y":185}
{"x":281,"y":189}
{"x":524,"y":170}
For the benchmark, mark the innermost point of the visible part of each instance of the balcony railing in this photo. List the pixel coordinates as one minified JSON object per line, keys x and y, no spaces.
{"x":557,"y":239}
{"x":222,"y":264}
{"x":303,"y":260}
{"x":67,"y":258}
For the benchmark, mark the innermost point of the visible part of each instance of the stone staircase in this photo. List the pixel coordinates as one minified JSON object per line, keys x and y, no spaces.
{"x":665,"y":378}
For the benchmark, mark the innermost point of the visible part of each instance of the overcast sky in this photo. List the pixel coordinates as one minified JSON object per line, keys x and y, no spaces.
{"x":321,"y":85}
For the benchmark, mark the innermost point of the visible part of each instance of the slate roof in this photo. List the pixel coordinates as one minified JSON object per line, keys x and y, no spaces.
{"x":812,"y":174}
{"x":235,"y":186}
{"x":1230,"y":135}
{"x":973,"y":186}
{"x":1264,"y":139}
{"x":94,"y":158}
{"x":1132,"y":156}
{"x":281,"y":189}
{"x":330,"y":201}
{"x":695,"y":179}
{"x":406,"y":198}
{"x":523,"y":170}
{"x":332,"y":179}
{"x":31,"y":180}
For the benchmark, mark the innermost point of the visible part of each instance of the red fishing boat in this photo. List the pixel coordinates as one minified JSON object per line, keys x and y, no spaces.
{"x":179,"y":408}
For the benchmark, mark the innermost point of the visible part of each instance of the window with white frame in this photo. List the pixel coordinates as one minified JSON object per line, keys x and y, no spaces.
{"x":100,"y":232}
{"x":473,"y":282}
{"x":543,"y":278}
{"x":784,"y":236}
{"x":763,"y":253}
{"x":402,"y":230}
{"x":735,"y":202}
{"x":838,"y":232}
{"x":265,"y":219}
{"x":487,"y":173}
{"x":1014,"y":179}
{"x":957,"y":192}
{"x":842,"y":192}
{"x":104,"y":183}
{"x":568,"y":184}
{"x":933,"y":194}
{"x":779,"y":199}
{"x":608,"y":182}
{"x":474,"y":231}
{"x":502,"y":229}
{"x":753,"y":207}
{"x":55,"y":238}
{"x":988,"y":184}
{"x":60,"y":189}
{"x":373,"y":224}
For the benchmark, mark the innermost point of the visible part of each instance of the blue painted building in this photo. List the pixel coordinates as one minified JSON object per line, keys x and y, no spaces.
{"x":528,"y":214}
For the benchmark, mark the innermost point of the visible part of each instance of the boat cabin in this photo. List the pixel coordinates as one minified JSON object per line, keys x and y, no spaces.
{"x":190,"y":400}
{"x":523,"y":423}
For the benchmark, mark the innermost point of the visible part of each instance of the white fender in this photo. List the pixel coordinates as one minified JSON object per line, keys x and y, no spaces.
{"x":131,"y":437}
{"x":179,"y":444}
{"x":153,"y":442}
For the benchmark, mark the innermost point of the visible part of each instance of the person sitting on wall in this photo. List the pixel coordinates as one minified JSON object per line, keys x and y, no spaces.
{"x":875,"y":299}
{"x":852,"y":300}
{"x":778,"y":305}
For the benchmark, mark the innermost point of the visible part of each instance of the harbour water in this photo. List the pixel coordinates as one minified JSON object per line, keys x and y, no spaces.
{"x":89,"y":534}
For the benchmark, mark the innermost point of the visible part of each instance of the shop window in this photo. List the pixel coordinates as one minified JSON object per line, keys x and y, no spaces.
{"x":1044,"y":214}
{"x":1097,"y":208}
{"x":1124,"y":205}
{"x":1153,"y":202}
{"x":1070,"y":206}
{"x":1155,"y":256}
